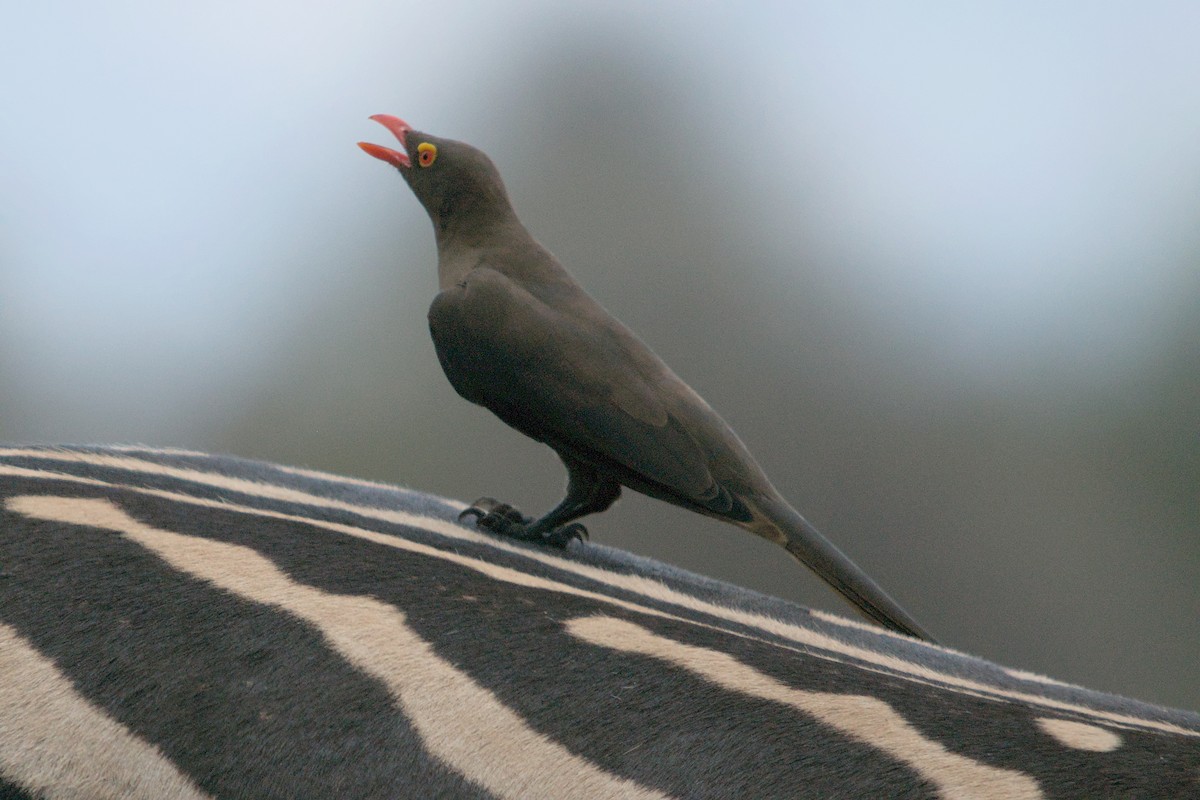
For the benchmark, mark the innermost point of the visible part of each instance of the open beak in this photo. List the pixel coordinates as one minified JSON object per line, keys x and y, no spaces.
{"x":399,"y":129}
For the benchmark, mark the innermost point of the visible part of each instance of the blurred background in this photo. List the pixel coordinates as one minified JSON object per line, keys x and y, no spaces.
{"x":939,"y":266}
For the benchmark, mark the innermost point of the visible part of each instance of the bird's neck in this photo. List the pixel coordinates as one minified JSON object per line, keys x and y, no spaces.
{"x":467,"y":241}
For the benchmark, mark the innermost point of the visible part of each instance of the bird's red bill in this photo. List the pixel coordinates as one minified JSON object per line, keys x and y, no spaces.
{"x":399,"y":129}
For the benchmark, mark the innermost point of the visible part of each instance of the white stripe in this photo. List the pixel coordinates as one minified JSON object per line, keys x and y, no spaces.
{"x":862,"y":718}
{"x":55,"y":743}
{"x":650,"y":588}
{"x":460,"y":722}
{"x":1080,"y":735}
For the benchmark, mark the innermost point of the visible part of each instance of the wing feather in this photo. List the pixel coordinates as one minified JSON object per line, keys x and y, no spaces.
{"x":555,"y":375}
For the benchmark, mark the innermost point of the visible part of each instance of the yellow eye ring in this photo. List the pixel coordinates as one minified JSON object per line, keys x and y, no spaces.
{"x":426,"y":153}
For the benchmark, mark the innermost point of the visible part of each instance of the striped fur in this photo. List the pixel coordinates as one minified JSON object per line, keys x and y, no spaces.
{"x":178,"y":625}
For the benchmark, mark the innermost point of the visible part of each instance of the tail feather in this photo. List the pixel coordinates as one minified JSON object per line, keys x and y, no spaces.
{"x":784,"y":524}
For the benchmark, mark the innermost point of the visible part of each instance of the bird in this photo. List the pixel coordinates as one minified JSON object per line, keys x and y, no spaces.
{"x":515,"y":333}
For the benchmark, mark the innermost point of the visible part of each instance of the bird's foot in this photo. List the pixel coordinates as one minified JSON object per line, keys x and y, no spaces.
{"x":503,"y":519}
{"x":562,"y":536}
{"x":495,"y":516}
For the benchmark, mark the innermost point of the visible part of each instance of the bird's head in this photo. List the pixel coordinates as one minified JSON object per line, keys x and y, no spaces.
{"x":454,"y":181}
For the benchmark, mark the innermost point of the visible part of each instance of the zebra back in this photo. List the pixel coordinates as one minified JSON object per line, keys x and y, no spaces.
{"x":174,"y":624}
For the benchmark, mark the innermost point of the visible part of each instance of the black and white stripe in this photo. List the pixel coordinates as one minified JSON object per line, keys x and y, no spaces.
{"x":178,"y":625}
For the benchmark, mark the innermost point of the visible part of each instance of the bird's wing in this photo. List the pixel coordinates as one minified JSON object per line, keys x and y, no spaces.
{"x":584,"y":385}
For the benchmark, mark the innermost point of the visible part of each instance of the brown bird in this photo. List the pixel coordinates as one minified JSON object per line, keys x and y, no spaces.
{"x":516,"y":334}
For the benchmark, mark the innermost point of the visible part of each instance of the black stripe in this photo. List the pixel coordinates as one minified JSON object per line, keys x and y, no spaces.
{"x":11,"y":791}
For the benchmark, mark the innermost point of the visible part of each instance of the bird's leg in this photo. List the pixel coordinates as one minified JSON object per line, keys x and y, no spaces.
{"x":587,"y":493}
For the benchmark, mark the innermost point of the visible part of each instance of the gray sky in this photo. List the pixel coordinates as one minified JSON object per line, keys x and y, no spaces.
{"x":1028,"y":170}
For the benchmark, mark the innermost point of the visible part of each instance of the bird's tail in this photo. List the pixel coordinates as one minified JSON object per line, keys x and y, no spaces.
{"x":783,"y":524}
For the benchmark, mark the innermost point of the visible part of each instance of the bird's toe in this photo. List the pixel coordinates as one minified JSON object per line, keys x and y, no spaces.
{"x":561,"y":537}
{"x":494,"y":516}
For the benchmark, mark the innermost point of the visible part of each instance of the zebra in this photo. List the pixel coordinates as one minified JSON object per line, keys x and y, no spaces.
{"x":180,"y":625}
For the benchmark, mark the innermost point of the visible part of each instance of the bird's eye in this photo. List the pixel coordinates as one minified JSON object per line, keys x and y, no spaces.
{"x":426,"y":153}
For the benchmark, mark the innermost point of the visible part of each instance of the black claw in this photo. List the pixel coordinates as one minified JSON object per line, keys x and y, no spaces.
{"x":479,"y":509}
{"x":561,"y":537}
{"x":495,"y":516}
